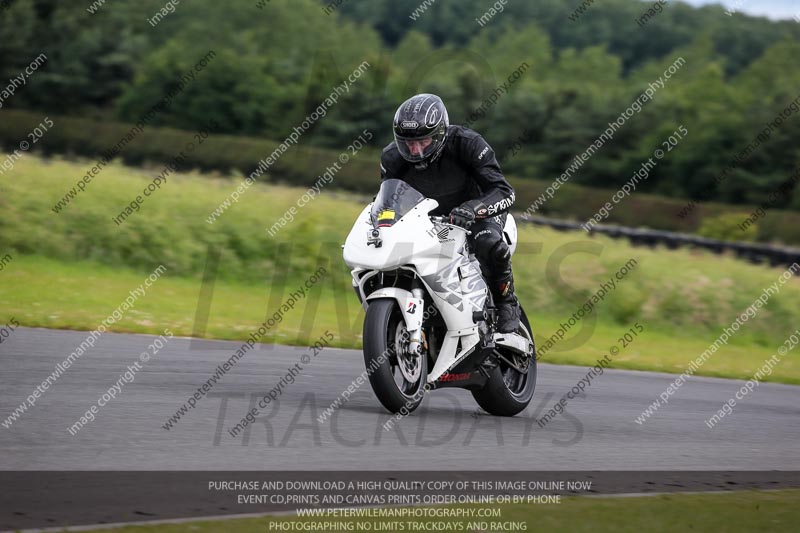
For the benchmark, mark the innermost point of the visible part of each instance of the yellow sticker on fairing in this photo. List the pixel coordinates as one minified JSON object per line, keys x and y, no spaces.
{"x":386,"y":214}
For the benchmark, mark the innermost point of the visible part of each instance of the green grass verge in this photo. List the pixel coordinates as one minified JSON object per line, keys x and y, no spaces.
{"x":79,"y":295}
{"x":721,"y":513}
{"x":684,"y":292}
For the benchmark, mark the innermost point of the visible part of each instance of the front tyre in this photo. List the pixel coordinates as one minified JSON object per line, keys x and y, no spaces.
{"x":508,"y":392}
{"x":397,"y":377}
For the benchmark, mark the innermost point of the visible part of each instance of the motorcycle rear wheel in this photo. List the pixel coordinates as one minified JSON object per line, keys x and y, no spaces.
{"x":507,"y":392}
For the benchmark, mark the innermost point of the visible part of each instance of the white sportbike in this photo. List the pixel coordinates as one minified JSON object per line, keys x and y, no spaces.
{"x":430,"y":318}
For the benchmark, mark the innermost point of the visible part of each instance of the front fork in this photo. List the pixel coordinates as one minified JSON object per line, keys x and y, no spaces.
{"x":415,"y":335}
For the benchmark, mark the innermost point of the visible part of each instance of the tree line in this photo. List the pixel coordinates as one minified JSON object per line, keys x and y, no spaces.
{"x":277,"y":62}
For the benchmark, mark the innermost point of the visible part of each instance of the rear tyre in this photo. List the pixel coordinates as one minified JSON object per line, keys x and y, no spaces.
{"x":397,"y":378}
{"x":508,"y":392}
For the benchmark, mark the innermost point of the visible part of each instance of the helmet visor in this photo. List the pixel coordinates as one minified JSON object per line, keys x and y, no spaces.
{"x":416,"y":149}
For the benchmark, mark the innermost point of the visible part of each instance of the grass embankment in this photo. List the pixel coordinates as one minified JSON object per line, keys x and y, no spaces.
{"x":90,"y":137}
{"x":72,"y":269}
{"x":727,"y":512}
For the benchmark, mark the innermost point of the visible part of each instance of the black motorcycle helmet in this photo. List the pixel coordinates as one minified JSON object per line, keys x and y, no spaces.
{"x":421,"y":118}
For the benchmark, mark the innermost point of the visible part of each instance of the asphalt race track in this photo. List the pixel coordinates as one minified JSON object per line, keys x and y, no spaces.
{"x":597,"y":431}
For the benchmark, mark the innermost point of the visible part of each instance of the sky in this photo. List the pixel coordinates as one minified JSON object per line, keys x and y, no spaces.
{"x":774,"y":9}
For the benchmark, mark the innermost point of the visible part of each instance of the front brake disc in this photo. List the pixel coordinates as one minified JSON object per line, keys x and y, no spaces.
{"x":409,"y":363}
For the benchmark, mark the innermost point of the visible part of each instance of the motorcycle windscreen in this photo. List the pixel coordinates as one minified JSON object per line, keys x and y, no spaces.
{"x":395,"y":199}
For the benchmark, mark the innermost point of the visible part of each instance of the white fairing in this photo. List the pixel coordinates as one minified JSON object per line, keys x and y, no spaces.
{"x":510,"y":232}
{"x":436,"y":252}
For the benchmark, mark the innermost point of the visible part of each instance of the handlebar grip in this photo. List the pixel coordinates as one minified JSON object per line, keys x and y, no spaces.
{"x":446,"y":220}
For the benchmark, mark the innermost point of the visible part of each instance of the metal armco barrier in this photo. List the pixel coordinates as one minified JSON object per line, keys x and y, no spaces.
{"x":753,"y":252}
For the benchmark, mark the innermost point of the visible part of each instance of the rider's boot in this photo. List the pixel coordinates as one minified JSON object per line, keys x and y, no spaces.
{"x":508,"y":309}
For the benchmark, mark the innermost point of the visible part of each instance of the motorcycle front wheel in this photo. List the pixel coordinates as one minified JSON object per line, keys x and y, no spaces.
{"x":397,"y":377}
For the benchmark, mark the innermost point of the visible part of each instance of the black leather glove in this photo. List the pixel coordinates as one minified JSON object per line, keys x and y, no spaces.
{"x":465,"y":214}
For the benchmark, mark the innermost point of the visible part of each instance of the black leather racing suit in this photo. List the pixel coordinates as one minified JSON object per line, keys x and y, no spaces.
{"x":467,"y":169}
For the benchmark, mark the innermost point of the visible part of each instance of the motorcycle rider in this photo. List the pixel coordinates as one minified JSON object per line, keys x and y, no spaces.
{"x":455,"y":166}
